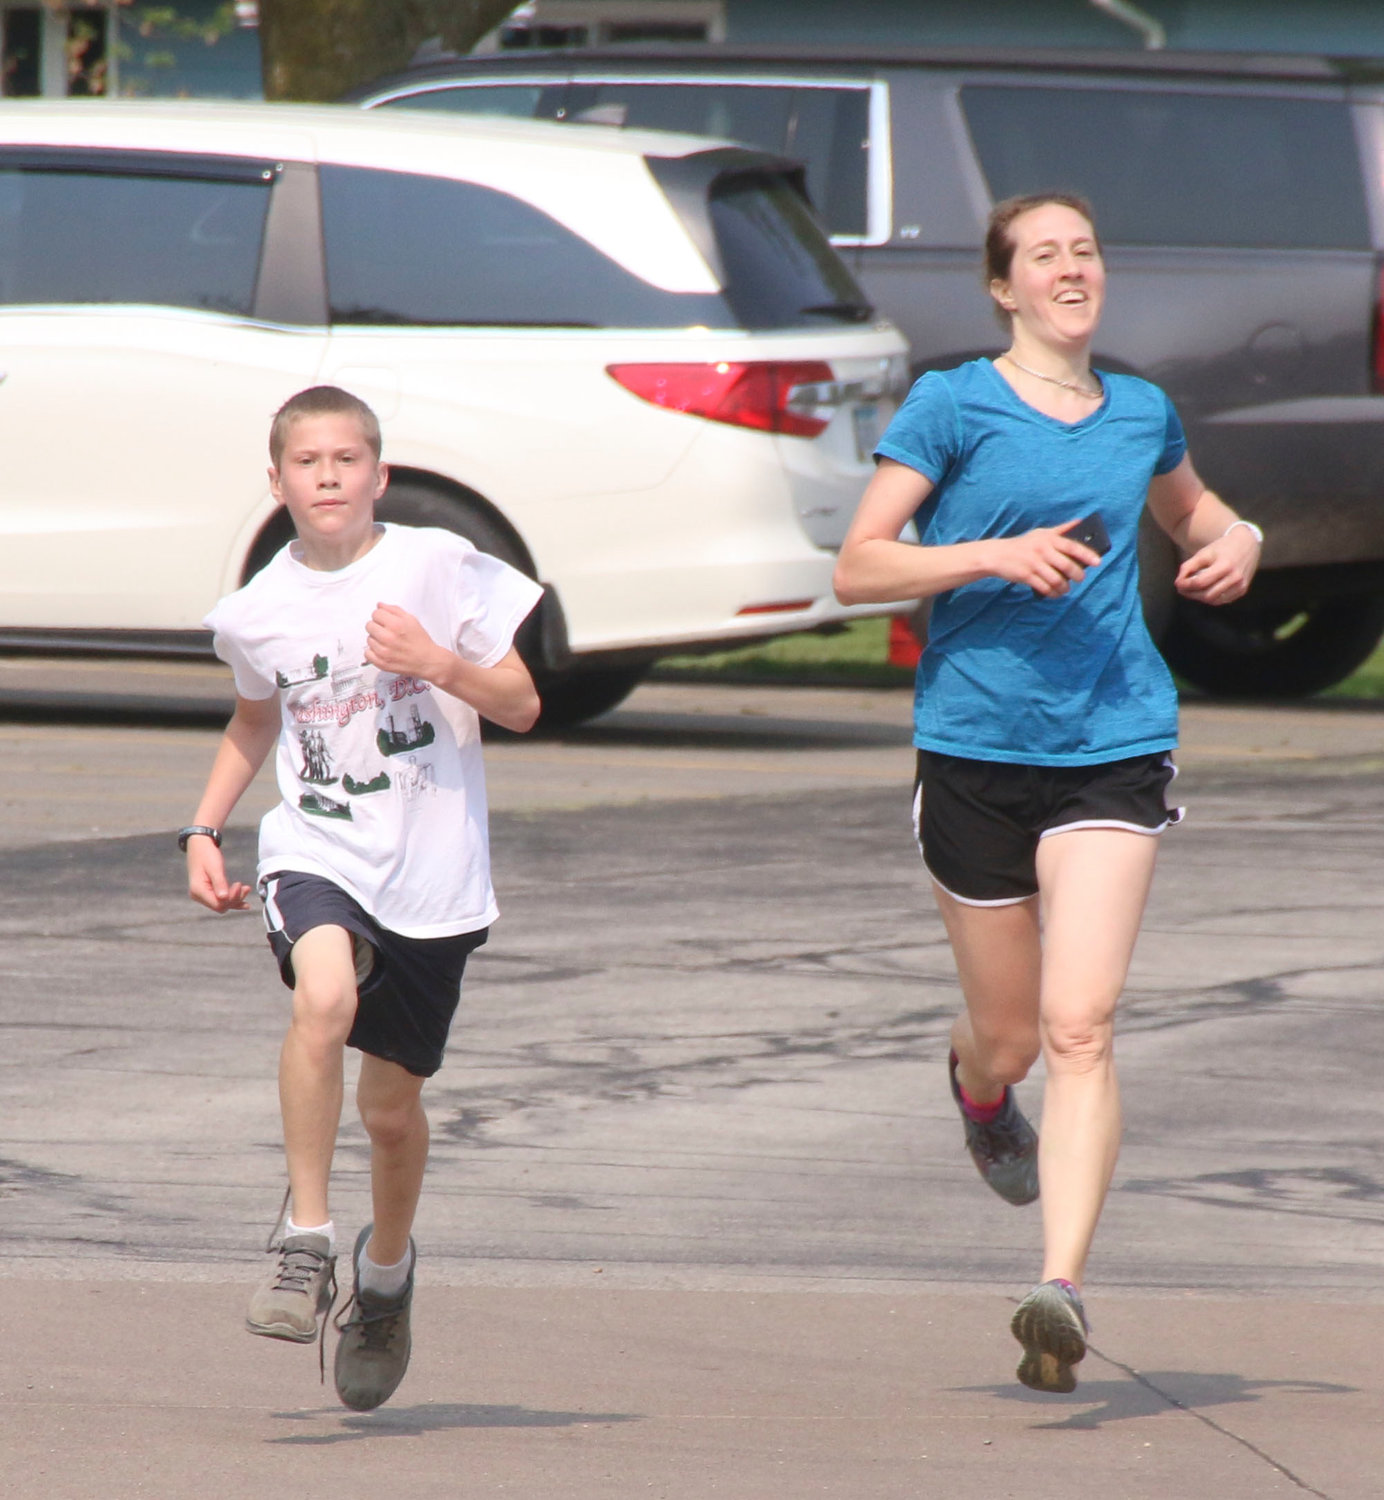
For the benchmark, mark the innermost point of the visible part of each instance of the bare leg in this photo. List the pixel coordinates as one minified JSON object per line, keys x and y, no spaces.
{"x":1094,"y":883}
{"x":998,"y":960}
{"x":310,"y":1065}
{"x":391,"y":1107}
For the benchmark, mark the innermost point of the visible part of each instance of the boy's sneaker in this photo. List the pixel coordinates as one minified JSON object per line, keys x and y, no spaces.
{"x":1051,"y":1325}
{"x":300,"y":1289}
{"x":372,"y":1353}
{"x":1005,"y":1149}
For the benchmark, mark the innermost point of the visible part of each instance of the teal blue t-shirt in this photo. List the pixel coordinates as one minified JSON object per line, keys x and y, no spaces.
{"x":1008,"y":675}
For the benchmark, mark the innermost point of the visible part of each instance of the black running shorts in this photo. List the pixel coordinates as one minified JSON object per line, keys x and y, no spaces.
{"x":978,"y":823}
{"x":408,"y":987}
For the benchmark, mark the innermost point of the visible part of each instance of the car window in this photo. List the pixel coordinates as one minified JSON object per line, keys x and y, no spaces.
{"x":1179,"y":168}
{"x":780,"y":269}
{"x":523,"y":101}
{"x":459,"y":254}
{"x":826,"y":128}
{"x":830,"y":132}
{"x":758,"y":116}
{"x":90,"y":236}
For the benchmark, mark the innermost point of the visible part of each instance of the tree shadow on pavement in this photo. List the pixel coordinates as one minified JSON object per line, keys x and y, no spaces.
{"x":415,"y":1421}
{"x":1153,"y":1393}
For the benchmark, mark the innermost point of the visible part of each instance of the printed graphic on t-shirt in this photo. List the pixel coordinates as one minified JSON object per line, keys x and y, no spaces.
{"x":296,"y":676}
{"x":322,"y":806}
{"x":348,"y":679}
{"x":346,"y":717}
{"x":417,"y":780}
{"x":356,"y":788}
{"x":405,"y":732}
{"x":317,"y":763}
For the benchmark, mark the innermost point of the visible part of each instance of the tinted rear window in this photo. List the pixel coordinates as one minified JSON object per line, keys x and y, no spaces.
{"x":413,"y":250}
{"x":1179,"y":168}
{"x":73,"y":236}
{"x":781,"y":271}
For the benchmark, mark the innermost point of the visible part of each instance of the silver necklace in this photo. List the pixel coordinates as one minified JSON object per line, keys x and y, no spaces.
{"x":1067,"y":385}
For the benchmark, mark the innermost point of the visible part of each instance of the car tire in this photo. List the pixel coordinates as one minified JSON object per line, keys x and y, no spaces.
{"x":574,"y":697}
{"x":1252,"y":651}
{"x":569,"y":695}
{"x":412,"y":504}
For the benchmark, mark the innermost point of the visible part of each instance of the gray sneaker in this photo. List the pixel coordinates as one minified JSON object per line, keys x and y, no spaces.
{"x":372,"y":1353}
{"x":1051,"y":1325}
{"x":1005,"y":1149}
{"x":300,"y":1289}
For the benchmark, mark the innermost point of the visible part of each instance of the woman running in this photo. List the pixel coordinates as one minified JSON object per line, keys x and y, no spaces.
{"x":1044,"y":715}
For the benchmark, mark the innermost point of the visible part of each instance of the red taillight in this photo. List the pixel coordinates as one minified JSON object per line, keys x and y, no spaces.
{"x":758,"y":394}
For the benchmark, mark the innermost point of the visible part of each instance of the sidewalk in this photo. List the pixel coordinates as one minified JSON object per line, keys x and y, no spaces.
{"x":125,"y":1389}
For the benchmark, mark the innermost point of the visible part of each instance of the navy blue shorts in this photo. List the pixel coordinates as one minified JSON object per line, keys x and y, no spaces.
{"x":978,"y":822}
{"x":408,"y":987}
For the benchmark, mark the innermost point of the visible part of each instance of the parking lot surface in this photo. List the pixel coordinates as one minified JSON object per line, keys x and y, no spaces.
{"x":698,"y":1219}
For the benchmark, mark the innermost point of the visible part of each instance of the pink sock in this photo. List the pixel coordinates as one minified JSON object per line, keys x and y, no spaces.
{"x":982,"y":1114}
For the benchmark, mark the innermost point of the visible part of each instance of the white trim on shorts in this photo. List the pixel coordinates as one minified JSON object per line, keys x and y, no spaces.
{"x":1106,"y":823}
{"x":972,"y":901}
{"x":964,"y":900}
{"x":273,"y":917}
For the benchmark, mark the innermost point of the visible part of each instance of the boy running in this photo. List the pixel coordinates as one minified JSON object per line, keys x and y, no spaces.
{"x":368,"y":653}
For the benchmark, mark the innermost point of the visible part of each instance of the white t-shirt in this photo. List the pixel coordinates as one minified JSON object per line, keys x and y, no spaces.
{"x":381,"y":774}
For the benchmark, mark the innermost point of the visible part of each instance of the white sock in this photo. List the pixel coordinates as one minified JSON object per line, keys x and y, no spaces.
{"x":329,"y":1229}
{"x":382,"y":1281}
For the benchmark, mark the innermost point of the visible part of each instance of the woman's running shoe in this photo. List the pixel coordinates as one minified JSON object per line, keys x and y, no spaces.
{"x":1005,"y":1149}
{"x":1051,"y":1325}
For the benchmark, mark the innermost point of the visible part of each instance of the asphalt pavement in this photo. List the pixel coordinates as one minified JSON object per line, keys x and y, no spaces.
{"x":698,"y":1220}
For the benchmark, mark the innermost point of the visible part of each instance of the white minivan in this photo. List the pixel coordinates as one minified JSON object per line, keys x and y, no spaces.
{"x":631,"y":364}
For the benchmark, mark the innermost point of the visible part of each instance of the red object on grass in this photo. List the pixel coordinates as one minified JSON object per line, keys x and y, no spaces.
{"x":904,"y":647}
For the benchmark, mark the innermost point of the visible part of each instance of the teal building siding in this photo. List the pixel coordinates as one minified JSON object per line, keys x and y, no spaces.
{"x":1339,"y":27}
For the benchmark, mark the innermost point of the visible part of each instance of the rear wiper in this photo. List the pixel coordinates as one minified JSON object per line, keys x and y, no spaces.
{"x":852,"y":312}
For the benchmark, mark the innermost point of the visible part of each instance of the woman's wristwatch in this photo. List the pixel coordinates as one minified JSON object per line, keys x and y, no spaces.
{"x":1255,"y":531}
{"x":184,"y":834}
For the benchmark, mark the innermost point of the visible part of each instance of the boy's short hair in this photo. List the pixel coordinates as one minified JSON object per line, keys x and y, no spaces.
{"x":322,"y":401}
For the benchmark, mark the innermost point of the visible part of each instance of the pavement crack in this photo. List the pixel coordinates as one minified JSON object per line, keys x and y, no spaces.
{"x":1155,"y":1389}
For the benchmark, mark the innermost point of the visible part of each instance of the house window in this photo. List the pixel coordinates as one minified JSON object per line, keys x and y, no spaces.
{"x":55,"y":52}
{"x":656,"y":31}
{"x":20,"y":47}
{"x":86,"y":50}
{"x":596,"y":23}
{"x":529,"y":35}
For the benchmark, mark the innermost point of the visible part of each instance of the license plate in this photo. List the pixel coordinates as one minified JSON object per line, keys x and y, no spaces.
{"x":866,"y":419}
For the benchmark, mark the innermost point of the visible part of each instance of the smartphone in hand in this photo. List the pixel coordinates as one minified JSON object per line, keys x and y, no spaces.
{"x":1091,"y":533}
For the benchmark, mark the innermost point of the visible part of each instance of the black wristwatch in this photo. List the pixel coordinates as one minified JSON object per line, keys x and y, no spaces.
{"x":184,"y":834}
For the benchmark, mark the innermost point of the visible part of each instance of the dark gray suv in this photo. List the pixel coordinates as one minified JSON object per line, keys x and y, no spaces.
{"x":1241,"y":204}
